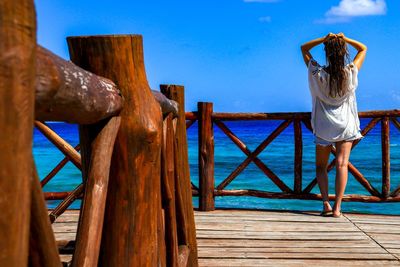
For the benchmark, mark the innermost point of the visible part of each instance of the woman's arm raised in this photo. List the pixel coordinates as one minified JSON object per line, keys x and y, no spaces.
{"x":361,"y":49}
{"x":305,"y":48}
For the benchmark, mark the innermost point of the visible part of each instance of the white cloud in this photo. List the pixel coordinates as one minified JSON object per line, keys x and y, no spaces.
{"x":261,"y":1}
{"x":353,"y":8}
{"x":265,"y":19}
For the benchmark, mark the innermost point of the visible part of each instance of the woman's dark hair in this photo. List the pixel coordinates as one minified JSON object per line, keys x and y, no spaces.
{"x":337,"y":56}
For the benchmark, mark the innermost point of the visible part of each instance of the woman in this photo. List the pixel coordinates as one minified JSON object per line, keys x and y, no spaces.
{"x":334,"y":117}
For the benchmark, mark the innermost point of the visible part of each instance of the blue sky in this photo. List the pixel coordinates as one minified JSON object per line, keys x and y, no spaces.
{"x":242,"y":55}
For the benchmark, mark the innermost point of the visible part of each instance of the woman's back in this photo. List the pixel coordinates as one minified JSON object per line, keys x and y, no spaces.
{"x":333,"y":118}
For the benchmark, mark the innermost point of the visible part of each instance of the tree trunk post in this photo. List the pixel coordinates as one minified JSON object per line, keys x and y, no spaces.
{"x":385,"y":157}
{"x":17,"y":94}
{"x":131,"y":215}
{"x":206,"y":156}
{"x":184,"y":206}
{"x":93,"y":206}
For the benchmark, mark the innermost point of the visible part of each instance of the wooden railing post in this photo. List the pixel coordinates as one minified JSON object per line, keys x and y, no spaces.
{"x":184,"y":207}
{"x":17,"y":78}
{"x":206,"y":156}
{"x":298,"y":156}
{"x":385,"y":157}
{"x":43,"y":250}
{"x":130,"y":234}
{"x":102,"y":136}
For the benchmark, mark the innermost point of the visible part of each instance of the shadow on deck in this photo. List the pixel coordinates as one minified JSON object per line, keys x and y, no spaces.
{"x":280,"y":238}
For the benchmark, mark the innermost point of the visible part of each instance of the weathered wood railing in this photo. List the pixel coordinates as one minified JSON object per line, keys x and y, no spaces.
{"x":136,"y":202}
{"x":208,"y":190}
{"x":176,"y":223}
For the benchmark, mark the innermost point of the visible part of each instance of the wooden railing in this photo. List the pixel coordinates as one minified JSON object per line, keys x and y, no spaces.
{"x":208,"y":190}
{"x":136,"y":195}
{"x":176,"y":224}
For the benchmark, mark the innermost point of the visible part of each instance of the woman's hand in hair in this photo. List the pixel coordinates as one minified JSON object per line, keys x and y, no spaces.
{"x":340,"y":35}
{"x":361,"y":51}
{"x":329,"y":36}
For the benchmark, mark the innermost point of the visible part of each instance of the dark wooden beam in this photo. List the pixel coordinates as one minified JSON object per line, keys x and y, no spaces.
{"x":66,"y":92}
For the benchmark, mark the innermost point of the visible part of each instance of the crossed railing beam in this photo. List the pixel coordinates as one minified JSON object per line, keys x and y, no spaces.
{"x":252,"y":156}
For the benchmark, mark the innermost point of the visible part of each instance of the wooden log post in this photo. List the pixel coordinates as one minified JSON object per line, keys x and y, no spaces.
{"x":206,"y":156}
{"x":43,"y":250}
{"x":168,"y":192}
{"x":130,"y":226}
{"x":385,"y":157}
{"x":92,"y":213}
{"x":298,"y":156}
{"x":17,"y":79}
{"x":184,"y":206}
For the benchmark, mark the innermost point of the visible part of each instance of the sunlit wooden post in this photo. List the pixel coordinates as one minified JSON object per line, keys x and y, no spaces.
{"x":43,"y":250}
{"x":184,"y":206}
{"x":206,"y":156}
{"x":168,"y":192}
{"x":17,"y":78}
{"x":102,"y":137}
{"x":298,"y":156}
{"x":132,"y":207}
{"x":385,"y":157}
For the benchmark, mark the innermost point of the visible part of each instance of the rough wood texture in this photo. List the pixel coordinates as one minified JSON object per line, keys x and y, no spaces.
{"x":167,"y":105}
{"x":43,"y":250}
{"x":62,"y":86}
{"x":17,"y":78}
{"x":130,"y":225}
{"x":206,"y":156}
{"x":182,"y":221}
{"x":284,"y":238}
{"x":94,"y":201}
{"x":168,"y":192}
{"x":183,"y":255}
{"x":385,"y":157}
{"x":183,"y":184}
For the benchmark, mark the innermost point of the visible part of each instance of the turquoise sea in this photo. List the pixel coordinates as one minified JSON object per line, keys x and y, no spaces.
{"x":278,"y":156}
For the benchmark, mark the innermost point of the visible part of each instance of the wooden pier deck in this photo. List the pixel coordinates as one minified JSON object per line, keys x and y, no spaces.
{"x":276,"y":238}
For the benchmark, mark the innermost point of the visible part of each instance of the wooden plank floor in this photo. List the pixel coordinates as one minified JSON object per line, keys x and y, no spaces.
{"x":273,"y":238}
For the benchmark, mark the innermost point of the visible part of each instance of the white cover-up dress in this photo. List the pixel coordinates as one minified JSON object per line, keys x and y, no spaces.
{"x":333,"y":119}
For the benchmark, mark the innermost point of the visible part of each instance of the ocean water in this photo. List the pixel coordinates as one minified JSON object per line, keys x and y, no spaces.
{"x":278,"y":156}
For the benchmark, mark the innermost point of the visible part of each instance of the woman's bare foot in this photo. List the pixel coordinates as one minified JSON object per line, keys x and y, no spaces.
{"x":326,"y":209}
{"x":336,"y":211}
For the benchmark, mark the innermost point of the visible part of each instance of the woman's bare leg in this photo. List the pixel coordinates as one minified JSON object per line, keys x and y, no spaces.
{"x":321,"y":160}
{"x":342,"y":161}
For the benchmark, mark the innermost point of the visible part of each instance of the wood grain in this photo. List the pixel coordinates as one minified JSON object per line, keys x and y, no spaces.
{"x":130,"y":231}
{"x":285,"y":238}
{"x":17,"y":78}
{"x":184,"y":207}
{"x":206,"y":156}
